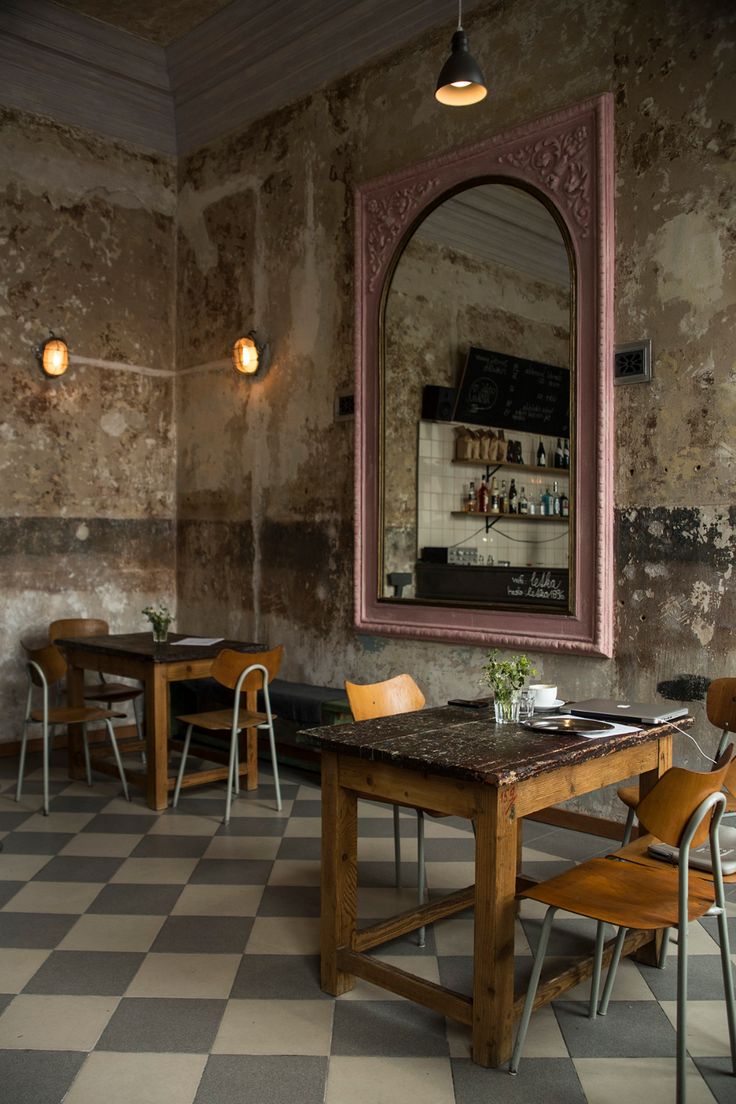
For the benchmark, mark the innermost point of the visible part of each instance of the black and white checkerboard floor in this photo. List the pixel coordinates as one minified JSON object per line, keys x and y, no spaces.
{"x":164,"y":959}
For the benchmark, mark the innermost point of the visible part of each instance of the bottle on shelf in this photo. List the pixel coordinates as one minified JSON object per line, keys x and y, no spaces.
{"x":502,"y":500}
{"x":483,"y":496}
{"x":519,"y":454}
{"x":545,"y":503}
{"x":493,"y":497}
{"x":555,"y":499}
{"x":541,"y":455}
{"x":523,"y":502}
{"x":564,"y":505}
{"x":470,"y":502}
{"x":566,"y":454}
{"x":513,"y":498}
{"x":559,"y":455}
{"x":511,"y":452}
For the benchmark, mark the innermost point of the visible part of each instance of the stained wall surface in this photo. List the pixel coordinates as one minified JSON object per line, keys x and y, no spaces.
{"x":266,"y":239}
{"x":87,"y":493}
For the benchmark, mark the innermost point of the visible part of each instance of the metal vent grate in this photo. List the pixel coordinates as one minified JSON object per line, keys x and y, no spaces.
{"x":632,"y":363}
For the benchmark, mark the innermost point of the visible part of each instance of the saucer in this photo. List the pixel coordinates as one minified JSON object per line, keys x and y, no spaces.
{"x":549,"y":708}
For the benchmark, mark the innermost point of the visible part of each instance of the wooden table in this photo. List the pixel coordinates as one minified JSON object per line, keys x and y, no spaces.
{"x":441,"y":760}
{"x":135,"y":656}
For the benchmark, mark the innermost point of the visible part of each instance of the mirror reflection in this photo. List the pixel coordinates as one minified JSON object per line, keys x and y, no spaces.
{"x":476,"y":408}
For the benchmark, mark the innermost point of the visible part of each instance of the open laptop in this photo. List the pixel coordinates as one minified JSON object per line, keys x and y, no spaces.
{"x":700,"y":856}
{"x":608,"y":709}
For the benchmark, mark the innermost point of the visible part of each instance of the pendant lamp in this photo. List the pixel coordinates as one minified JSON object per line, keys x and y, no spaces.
{"x":461,"y":79}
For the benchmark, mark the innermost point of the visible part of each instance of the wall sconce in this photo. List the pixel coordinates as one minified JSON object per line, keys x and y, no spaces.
{"x":461,"y":79}
{"x":53,"y":355}
{"x":251,"y":354}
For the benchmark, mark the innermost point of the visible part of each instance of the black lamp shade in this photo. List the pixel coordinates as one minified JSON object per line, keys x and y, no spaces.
{"x":461,"y":80}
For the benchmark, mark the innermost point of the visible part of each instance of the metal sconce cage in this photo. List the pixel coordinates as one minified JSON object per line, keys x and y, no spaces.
{"x":251,"y":355}
{"x":53,"y":356}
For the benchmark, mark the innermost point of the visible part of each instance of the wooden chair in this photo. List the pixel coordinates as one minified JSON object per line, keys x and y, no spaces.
{"x":47,"y":666}
{"x":243,"y":673}
{"x":386,"y":699}
{"x":720,"y":708}
{"x":107,"y":693}
{"x":683,"y":809}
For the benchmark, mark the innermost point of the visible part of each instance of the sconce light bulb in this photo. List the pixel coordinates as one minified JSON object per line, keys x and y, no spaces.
{"x":246,"y":356}
{"x":54,"y":356}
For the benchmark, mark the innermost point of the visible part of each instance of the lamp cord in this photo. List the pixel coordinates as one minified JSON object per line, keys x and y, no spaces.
{"x":459,"y":15}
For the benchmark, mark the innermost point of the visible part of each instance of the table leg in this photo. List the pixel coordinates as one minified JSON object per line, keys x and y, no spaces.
{"x":339,"y":875}
{"x":75,"y":700}
{"x":157,"y":737}
{"x":495,"y":914}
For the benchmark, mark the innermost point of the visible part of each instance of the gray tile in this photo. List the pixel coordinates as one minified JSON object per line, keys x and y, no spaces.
{"x":233,"y":1079}
{"x":547,"y":1080}
{"x":710,"y":923}
{"x":383,"y":827}
{"x":36,"y":843}
{"x":36,"y":930}
{"x":163,"y":1025}
{"x":278,"y":977}
{"x":135,"y":823}
{"x":136,"y":900}
{"x":203,"y":935}
{"x":456,"y":972}
{"x":542,"y":871}
{"x":171,"y":847}
{"x":533,"y":829}
{"x":295,"y":847}
{"x":9,"y":821}
{"x":704,"y":978}
{"x":79,"y":803}
{"x":78,"y":868}
{"x":568,"y":937}
{"x":38,"y":1076}
{"x":8,"y":890}
{"x":289,"y":901}
{"x":384,"y":873}
{"x":253,"y":826}
{"x":450,"y":850}
{"x":718,"y":1076}
{"x":231,"y":872}
{"x":407,"y":944}
{"x":631,"y":1029}
{"x":576,"y":846}
{"x":388,"y":1029}
{"x":86,"y":973}
{"x":5,"y":999}
{"x":305,"y":808}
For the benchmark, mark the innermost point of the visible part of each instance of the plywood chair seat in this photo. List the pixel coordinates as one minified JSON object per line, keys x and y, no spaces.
{"x":81,"y":715}
{"x":222,"y":720}
{"x":112,"y":692}
{"x":683,"y":810}
{"x":638,"y":852}
{"x":720,"y":708}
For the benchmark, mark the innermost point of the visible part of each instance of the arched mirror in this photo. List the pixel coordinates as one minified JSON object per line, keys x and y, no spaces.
{"x":484,"y":461}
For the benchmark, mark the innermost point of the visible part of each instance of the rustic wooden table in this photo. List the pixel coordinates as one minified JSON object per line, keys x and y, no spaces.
{"x":439,"y":759}
{"x":135,"y":656}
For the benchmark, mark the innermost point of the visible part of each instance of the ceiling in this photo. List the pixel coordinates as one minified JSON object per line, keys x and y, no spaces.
{"x":159,"y":21}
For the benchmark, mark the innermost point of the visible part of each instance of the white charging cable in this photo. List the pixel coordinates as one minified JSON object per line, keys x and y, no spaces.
{"x":691,"y":737}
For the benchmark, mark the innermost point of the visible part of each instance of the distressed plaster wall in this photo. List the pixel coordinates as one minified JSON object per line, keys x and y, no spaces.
{"x":87,"y":493}
{"x":266,"y":239}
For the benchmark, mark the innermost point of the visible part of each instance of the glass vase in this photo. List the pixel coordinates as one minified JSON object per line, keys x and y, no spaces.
{"x":507,"y":710}
{"x":160,"y":634}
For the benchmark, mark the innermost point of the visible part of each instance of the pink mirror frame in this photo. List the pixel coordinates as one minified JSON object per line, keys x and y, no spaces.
{"x":565,"y":158}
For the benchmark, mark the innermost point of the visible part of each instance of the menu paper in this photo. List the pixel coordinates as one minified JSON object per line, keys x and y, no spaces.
{"x":200,"y":641}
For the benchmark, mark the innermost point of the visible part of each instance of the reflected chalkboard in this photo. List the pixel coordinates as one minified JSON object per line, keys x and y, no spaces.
{"x":514,"y":393}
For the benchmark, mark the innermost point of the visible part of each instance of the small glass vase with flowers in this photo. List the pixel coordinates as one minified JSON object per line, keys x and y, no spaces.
{"x":506,"y":677}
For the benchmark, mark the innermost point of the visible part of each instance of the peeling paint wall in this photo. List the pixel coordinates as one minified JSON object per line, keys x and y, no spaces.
{"x":266,"y":240}
{"x":88,"y":488}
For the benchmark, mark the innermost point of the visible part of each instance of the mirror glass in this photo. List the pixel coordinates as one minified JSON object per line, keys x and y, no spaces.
{"x":476,"y":408}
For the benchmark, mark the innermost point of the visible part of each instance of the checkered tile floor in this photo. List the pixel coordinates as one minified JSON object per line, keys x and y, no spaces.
{"x":163,"y":958}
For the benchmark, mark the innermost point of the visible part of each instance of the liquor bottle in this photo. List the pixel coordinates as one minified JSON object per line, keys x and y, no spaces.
{"x":559,"y":455}
{"x":493,"y":497}
{"x":483,"y":496}
{"x":510,"y":452}
{"x":519,"y":455}
{"x":566,"y":454}
{"x":523,"y":503}
{"x":564,"y":505}
{"x":502,"y":507}
{"x":541,"y":455}
{"x":470,"y":503}
{"x":513,"y":496}
{"x":544,"y":503}
{"x":555,"y":499}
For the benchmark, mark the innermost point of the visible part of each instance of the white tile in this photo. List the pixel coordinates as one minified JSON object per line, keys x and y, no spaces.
{"x":21,"y":868}
{"x":56,"y":822}
{"x":389,"y":1081}
{"x":283,"y":935}
{"x":243,"y":847}
{"x":46,"y":1022}
{"x":17,"y":967}
{"x":275,"y":1027}
{"x":94,"y":932}
{"x":707,"y":1026}
{"x":155,"y":871}
{"x":102,"y":844}
{"x":377,"y":903}
{"x":424,"y":966}
{"x":218,"y":900}
{"x":62,"y":897}
{"x":450,"y":875}
{"x":636,"y":1080}
{"x":295,"y":872}
{"x":184,"y":825}
{"x":197,"y":976}
{"x":544,"y":1040}
{"x":137,"y":1079}
{"x":304,"y":826}
{"x":630,"y":985}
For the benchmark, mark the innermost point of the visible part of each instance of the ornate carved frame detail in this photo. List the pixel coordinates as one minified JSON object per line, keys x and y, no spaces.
{"x":566,"y":158}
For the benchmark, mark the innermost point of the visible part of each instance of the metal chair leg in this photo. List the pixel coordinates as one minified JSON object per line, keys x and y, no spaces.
{"x":682,"y":1007}
{"x":274,"y":766}
{"x":45,"y":737}
{"x":182,"y":765}
{"x":727,"y":975}
{"x":595,"y":981}
{"x":421,"y":874}
{"x":628,"y":827}
{"x":118,"y":760}
{"x":232,"y":766}
{"x":397,"y":846}
{"x":612,"y":969}
{"x":87,"y":764}
{"x":664,"y":948}
{"x":21,"y":762}
{"x":531,"y":992}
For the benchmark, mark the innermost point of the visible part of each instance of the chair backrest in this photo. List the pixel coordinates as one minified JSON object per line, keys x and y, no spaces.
{"x":384,"y":699}
{"x":49,"y":659}
{"x":229,"y":666}
{"x":720,"y":703}
{"x":667,"y":808}
{"x":69,"y":627}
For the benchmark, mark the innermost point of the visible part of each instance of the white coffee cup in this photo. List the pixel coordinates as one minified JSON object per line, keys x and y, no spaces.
{"x":545,"y":695}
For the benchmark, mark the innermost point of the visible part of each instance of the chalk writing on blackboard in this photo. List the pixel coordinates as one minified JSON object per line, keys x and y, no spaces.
{"x":540,"y":585}
{"x":514,"y":393}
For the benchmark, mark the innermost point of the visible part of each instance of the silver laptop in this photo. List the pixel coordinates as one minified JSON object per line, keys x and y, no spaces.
{"x":608,"y":709}
{"x":700,"y":856}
